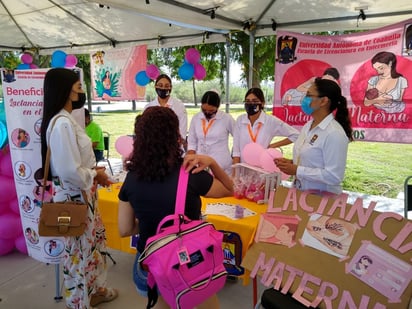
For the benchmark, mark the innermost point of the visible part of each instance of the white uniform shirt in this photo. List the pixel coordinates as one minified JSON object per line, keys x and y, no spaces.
{"x":72,"y":157}
{"x":216,"y":141}
{"x":180,"y":110}
{"x":321,"y":155}
{"x":270,"y":126}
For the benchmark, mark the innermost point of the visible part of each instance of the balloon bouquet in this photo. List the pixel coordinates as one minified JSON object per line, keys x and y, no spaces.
{"x":59,"y":59}
{"x":251,"y":179}
{"x":191,"y":68}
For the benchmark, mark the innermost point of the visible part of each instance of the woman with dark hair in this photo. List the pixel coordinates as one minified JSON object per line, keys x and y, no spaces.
{"x":209,"y":131}
{"x":385,"y":90}
{"x":148,"y":193}
{"x":163,"y":86}
{"x":258,"y":127}
{"x":320,"y":152}
{"x":73,"y":170}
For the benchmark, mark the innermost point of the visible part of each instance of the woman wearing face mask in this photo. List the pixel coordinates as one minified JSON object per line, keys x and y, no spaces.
{"x":163,"y":86}
{"x":209,"y":131}
{"x":73,"y":170}
{"x":258,"y":127}
{"x":319,"y":154}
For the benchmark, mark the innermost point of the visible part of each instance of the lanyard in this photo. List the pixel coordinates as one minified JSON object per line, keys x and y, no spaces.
{"x":206,"y":128}
{"x":254,"y":136}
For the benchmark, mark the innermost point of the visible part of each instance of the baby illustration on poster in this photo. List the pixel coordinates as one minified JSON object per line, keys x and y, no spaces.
{"x":277,"y":229}
{"x":380,"y":270}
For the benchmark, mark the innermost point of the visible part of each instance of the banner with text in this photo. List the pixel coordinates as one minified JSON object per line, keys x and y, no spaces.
{"x":23,"y":101}
{"x":373,"y":68}
{"x":113,"y":73}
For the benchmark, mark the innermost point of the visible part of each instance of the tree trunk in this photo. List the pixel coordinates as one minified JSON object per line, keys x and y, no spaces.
{"x":194,"y":92}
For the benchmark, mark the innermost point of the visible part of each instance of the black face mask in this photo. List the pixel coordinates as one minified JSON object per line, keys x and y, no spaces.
{"x":163,"y":93}
{"x":209,"y":116}
{"x":80,"y":102}
{"x":252,"y":109}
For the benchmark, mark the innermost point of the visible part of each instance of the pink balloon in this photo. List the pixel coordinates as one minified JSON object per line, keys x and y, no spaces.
{"x":200,"y":71}
{"x":6,"y":167}
{"x":267,"y":163}
{"x":274,"y":153}
{"x":7,"y":186}
{"x":6,"y":246}
{"x":33,"y":66}
{"x":10,"y":226}
{"x":14,"y":206}
{"x":152,"y":71}
{"x":20,"y":244}
{"x":26,"y":58}
{"x":192,"y":55}
{"x":251,"y":153}
{"x":124,"y":145}
{"x":71,"y":61}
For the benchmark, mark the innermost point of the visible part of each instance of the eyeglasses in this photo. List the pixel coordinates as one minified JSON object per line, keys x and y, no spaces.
{"x":252,"y":102}
{"x":165,"y":86}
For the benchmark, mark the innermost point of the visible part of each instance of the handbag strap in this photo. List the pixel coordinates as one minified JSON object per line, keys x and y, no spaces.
{"x":47,"y":164}
{"x":181,"y":191}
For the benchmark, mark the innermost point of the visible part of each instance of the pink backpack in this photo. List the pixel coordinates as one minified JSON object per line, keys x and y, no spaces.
{"x":185,"y":260}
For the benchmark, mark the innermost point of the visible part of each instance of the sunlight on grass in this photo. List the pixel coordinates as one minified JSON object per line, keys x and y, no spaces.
{"x":372,"y":168}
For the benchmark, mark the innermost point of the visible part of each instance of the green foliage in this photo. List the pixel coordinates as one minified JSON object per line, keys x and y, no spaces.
{"x":9,"y":60}
{"x":263,"y":56}
{"x":171,"y":59}
{"x":213,"y":58}
{"x":83,"y":61}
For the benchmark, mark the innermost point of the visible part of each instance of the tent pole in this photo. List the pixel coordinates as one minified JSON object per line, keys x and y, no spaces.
{"x":58,"y":296}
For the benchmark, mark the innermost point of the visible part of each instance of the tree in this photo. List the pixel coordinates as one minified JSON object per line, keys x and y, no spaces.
{"x":213,"y":58}
{"x":9,"y":59}
{"x":263,"y":56}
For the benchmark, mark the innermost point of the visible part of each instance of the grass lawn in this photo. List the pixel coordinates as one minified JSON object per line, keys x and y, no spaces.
{"x":372,"y":168}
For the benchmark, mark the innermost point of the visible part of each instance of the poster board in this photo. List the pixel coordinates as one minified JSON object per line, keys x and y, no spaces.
{"x":361,"y":63}
{"x":319,"y":272}
{"x":23,"y":101}
{"x":113,"y":73}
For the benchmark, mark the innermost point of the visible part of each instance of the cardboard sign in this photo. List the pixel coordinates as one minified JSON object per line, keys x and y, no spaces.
{"x":345,"y":256}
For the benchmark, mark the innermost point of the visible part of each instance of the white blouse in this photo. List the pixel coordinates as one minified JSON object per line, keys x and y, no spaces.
{"x":265,"y":128}
{"x":72,"y":158}
{"x":212,"y":137}
{"x":320,"y":155}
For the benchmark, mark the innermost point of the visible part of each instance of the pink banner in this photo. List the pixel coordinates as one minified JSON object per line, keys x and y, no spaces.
{"x":113,"y":73}
{"x":373,"y":68}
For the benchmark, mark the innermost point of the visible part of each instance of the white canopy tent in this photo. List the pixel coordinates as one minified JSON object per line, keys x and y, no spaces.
{"x":291,"y":15}
{"x":80,"y":25}
{"x":77,"y":26}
